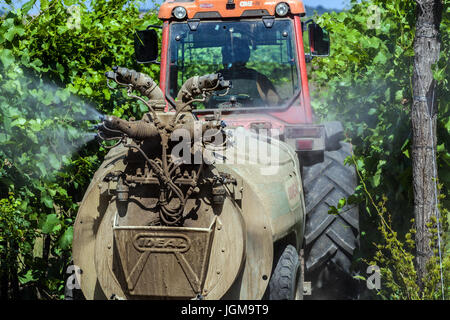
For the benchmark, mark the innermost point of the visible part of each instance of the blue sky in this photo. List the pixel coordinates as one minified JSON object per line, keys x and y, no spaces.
{"x":331,"y":4}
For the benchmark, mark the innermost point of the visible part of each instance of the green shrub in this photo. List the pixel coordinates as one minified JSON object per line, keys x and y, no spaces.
{"x":52,"y":69}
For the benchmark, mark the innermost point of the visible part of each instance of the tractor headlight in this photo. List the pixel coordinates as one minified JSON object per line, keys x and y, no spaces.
{"x":179,"y":13}
{"x":282,"y":9}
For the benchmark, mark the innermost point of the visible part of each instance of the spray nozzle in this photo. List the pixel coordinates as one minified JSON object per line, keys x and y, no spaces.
{"x":98,"y":138}
{"x":111,"y":121}
{"x":110,"y":75}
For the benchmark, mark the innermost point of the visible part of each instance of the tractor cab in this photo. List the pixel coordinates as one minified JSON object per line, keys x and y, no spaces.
{"x":259,"y":60}
{"x":259,"y":47}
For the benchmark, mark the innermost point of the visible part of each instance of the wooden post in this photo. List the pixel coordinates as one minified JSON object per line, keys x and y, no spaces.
{"x":423,"y":117}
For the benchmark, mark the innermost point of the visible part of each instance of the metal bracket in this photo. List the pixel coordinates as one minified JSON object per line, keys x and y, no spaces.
{"x":307,"y":288}
{"x":306,"y":285}
{"x":193,"y":24}
{"x":230,"y":5}
{"x":268,"y":21}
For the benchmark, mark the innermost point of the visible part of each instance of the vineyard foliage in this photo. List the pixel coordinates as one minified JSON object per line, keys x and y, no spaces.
{"x":52,"y":83}
{"x":52,"y":69}
{"x":366,"y":84}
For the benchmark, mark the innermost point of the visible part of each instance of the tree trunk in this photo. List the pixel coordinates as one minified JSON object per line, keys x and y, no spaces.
{"x":423,"y":117}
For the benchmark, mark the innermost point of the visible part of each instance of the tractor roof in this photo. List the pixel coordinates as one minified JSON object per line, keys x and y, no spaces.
{"x":208,"y":9}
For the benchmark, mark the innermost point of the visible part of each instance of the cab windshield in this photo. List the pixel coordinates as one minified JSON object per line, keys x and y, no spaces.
{"x":259,"y":60}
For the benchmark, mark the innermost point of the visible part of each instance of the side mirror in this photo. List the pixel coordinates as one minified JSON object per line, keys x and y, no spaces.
{"x":319,"y":41}
{"x":146,"y":46}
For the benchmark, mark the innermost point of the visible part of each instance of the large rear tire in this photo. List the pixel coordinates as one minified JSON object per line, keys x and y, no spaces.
{"x":330,"y":240}
{"x":286,"y":281}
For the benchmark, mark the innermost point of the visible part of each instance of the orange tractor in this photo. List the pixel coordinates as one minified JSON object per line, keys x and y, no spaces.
{"x":259,"y":47}
{"x":151,"y":226}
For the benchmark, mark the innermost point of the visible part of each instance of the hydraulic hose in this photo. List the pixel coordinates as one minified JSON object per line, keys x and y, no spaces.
{"x":195,"y":85}
{"x":140,"y":81}
{"x":139,"y":130}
